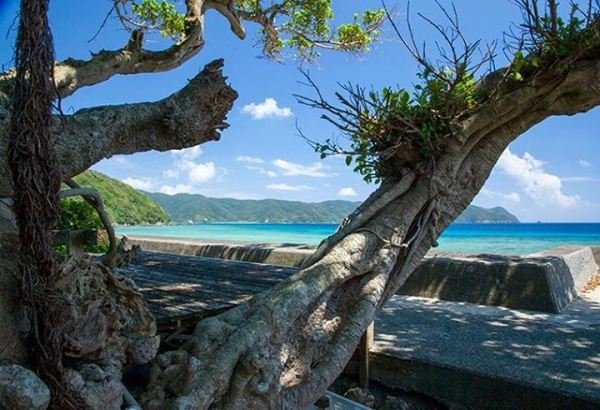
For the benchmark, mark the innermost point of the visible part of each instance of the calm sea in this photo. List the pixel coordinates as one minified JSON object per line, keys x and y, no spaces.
{"x":518,"y":239}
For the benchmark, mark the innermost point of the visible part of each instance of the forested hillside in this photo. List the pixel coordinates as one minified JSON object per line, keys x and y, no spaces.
{"x":124,"y":204}
{"x":198,"y":208}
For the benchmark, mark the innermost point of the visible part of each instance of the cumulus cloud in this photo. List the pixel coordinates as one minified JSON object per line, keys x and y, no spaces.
{"x":291,"y":169}
{"x":199,"y":173}
{"x":512,"y":196}
{"x":252,"y":160}
{"x":346,"y":192}
{"x":189,"y":154}
{"x":585,"y":163}
{"x":145,"y":184}
{"x":542,"y":187}
{"x":178,"y":189}
{"x":171,"y":173}
{"x":185,"y":163}
{"x":266,"y":109}
{"x":263,"y":171}
{"x":286,"y":187}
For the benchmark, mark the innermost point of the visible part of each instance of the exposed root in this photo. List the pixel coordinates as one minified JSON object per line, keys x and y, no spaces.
{"x":108,"y":328}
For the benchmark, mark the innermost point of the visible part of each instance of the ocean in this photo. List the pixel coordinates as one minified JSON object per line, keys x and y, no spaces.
{"x":508,"y":239}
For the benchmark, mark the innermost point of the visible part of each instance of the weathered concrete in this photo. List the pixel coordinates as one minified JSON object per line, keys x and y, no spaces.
{"x":484,"y":357}
{"x":546,"y":281}
{"x":272,"y":254}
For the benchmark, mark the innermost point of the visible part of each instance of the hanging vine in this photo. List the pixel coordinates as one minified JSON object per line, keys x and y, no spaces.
{"x":36,"y":183}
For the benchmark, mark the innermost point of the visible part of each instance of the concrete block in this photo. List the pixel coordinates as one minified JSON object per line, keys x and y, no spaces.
{"x":547,"y":281}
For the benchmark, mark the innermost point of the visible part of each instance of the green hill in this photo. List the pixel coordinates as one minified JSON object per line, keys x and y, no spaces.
{"x":476,"y":214}
{"x":124,"y":204}
{"x":198,"y":208}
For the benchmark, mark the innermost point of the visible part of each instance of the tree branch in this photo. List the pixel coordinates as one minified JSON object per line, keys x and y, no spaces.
{"x":93,"y":198}
{"x":189,"y":117}
{"x":71,"y":75}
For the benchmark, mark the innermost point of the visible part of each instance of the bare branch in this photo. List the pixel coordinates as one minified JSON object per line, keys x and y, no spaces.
{"x":92,"y":197}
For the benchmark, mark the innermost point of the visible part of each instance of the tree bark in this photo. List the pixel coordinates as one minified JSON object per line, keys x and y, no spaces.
{"x":189,"y":117}
{"x":286,"y":346}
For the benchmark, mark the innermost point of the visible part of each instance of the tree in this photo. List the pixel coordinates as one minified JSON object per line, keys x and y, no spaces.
{"x":432,"y":150}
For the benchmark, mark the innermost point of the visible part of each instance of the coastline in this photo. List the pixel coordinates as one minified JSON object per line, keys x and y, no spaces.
{"x":506,"y":239}
{"x":259,"y":252}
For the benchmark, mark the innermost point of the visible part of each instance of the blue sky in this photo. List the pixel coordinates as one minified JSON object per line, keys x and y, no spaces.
{"x":551,"y":173}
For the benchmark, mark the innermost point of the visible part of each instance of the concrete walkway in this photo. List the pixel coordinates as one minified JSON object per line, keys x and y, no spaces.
{"x":491,"y":357}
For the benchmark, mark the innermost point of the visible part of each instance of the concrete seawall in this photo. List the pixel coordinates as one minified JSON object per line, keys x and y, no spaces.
{"x":269,"y":253}
{"x":546,"y":281}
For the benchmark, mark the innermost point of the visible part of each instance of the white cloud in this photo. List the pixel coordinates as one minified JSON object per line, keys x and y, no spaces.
{"x":185,"y":165}
{"x":346,"y":192}
{"x":266,"y":109}
{"x":286,"y":187}
{"x":252,"y":160}
{"x":202,"y":172}
{"x":512,"y":196}
{"x":187,"y":153}
{"x":178,"y":189}
{"x":542,"y":187}
{"x":263,"y":171}
{"x":184,"y":162}
{"x":291,"y":169}
{"x":580,"y":179}
{"x":143,"y":184}
{"x":171,"y":173}
{"x":585,"y":163}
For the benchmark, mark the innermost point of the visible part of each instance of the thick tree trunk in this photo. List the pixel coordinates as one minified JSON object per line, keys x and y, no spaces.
{"x":286,"y":346}
{"x":283,"y":348}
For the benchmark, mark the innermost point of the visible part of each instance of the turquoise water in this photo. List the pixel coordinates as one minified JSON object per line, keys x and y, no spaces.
{"x":517,"y":239}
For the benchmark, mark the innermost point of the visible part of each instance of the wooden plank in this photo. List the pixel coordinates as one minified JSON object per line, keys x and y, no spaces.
{"x":366,"y":342}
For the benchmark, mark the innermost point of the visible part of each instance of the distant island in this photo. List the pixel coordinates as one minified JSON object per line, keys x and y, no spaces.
{"x":126,"y":205}
{"x":476,"y":214}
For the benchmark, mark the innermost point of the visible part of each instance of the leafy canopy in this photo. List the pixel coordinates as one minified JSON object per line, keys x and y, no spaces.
{"x":298,"y":27}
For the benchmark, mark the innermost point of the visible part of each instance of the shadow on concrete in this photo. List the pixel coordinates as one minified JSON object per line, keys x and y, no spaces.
{"x":490,"y":357}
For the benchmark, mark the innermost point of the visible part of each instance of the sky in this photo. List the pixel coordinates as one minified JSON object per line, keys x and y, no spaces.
{"x":551,"y":173}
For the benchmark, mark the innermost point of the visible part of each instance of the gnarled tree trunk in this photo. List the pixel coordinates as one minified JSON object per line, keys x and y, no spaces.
{"x":286,"y":346}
